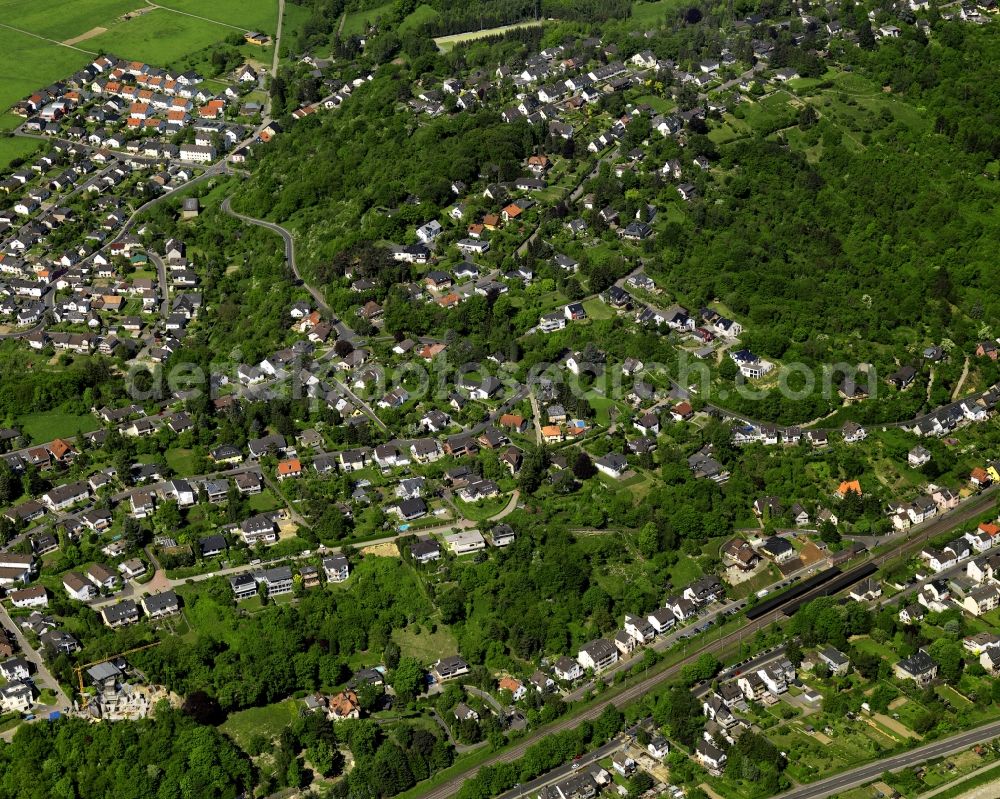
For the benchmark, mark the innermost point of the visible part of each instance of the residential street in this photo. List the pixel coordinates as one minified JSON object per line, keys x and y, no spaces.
{"x":43,"y":677}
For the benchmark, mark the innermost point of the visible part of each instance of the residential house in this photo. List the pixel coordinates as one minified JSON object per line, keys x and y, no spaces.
{"x":448,"y":668}
{"x":662,"y":620}
{"x":567,"y":669}
{"x":78,"y":588}
{"x":102,"y":577}
{"x":243,"y":586}
{"x":425,"y":550}
{"x":336,"y":568}
{"x":919,"y":667}
{"x":597,"y":655}
{"x":710,"y":756}
{"x":778,"y":549}
{"x":157,"y":606}
{"x":836,"y":661}
{"x":120,"y":614}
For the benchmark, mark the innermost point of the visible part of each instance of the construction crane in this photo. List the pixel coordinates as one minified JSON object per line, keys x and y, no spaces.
{"x":79,"y":669}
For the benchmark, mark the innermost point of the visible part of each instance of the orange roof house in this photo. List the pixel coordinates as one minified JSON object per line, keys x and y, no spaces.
{"x":344,"y":705}
{"x":514,"y":686}
{"x":980,"y":476}
{"x":429,"y":351}
{"x":512,"y":421}
{"x":849,"y":486}
{"x":289,"y":468}
{"x":992,"y":530}
{"x":683,"y":410}
{"x":60,"y":449}
{"x":449,"y":300}
{"x":552,"y":432}
{"x":491,"y":221}
{"x":512,"y":211}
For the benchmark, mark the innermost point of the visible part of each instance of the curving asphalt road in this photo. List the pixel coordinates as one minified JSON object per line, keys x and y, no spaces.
{"x":289,"y":249}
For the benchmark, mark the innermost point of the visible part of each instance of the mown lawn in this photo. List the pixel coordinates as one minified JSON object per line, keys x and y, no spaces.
{"x":478,"y":511}
{"x":685,"y":571}
{"x":598,"y":309}
{"x":426,"y":646}
{"x":161,"y":37}
{"x":261,"y":15}
{"x":181,"y":461}
{"x":264,"y":501}
{"x":43,"y":427}
{"x":59,"y":20}
{"x":602,"y":406}
{"x":11,"y":148}
{"x":446,"y":43}
{"x":30,"y":63}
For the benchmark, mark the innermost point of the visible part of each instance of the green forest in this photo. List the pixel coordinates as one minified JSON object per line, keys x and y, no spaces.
{"x":887,"y":238}
{"x":168,"y":755}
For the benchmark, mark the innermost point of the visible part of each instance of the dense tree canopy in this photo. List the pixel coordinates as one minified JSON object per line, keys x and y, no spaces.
{"x":168,"y":755}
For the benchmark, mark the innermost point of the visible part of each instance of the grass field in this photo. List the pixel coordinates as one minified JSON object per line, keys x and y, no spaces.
{"x":484,"y":509}
{"x":659,"y":104}
{"x":356,"y":20}
{"x":647,"y":14}
{"x":43,"y":427}
{"x":204,"y":616}
{"x":421,"y":15}
{"x":260,"y":15}
{"x":59,"y":20}
{"x":268,"y":721}
{"x":16,"y":148}
{"x":29,"y":63}
{"x":160,"y":37}
{"x":446,"y":43}
{"x":602,"y":405}
{"x":180,"y":460}
{"x":426,"y":647}
{"x":598,"y":309}
{"x":264,"y":501}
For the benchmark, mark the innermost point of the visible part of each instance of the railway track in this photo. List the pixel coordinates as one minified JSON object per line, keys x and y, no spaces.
{"x":844,"y":580}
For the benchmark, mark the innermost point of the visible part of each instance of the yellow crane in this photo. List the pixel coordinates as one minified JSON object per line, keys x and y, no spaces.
{"x":79,"y":669}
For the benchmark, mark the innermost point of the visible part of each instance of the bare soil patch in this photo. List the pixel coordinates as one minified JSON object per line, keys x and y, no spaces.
{"x":389,"y":550}
{"x":84,"y":36}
